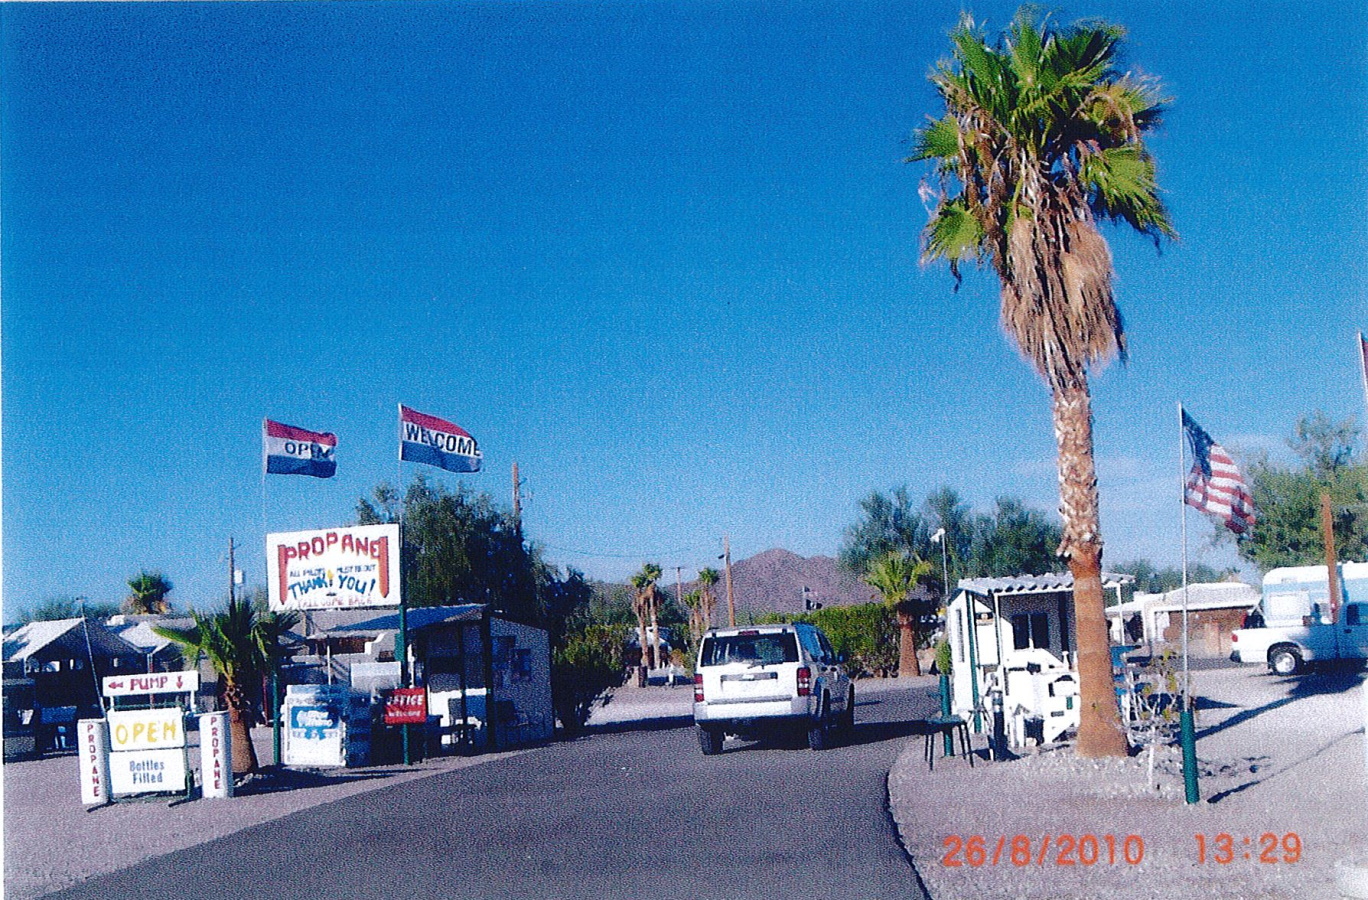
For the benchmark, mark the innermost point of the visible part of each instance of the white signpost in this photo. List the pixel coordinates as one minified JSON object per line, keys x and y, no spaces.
{"x":216,"y":756}
{"x":93,"y":747}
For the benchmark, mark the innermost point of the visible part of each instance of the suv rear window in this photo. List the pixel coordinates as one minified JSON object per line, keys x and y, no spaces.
{"x":766,"y":649}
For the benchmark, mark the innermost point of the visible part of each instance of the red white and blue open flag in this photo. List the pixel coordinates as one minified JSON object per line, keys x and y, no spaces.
{"x":1214,"y":485}
{"x":436,"y":442}
{"x":296,"y":451}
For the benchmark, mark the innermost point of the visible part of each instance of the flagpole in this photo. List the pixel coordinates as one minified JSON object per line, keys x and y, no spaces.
{"x":1187,"y":737}
{"x":1363,"y":365}
{"x":401,"y":639}
{"x":1182,"y":512}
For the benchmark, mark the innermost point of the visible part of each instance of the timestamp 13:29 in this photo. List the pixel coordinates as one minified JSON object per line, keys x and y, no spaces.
{"x":1224,"y":849}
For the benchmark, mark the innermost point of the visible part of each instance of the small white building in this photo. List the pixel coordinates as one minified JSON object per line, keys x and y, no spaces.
{"x":1022,"y":647}
{"x":1214,"y":611}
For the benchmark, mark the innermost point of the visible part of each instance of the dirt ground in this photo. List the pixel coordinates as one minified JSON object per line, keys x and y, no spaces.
{"x":1282,"y":764}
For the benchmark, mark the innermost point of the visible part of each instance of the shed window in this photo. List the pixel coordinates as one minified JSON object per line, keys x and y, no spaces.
{"x":1031,"y":630}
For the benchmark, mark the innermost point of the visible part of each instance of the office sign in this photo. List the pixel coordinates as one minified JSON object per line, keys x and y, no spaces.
{"x":406,"y":706}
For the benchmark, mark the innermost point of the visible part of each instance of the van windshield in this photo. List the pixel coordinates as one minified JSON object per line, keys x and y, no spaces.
{"x":765,"y":649}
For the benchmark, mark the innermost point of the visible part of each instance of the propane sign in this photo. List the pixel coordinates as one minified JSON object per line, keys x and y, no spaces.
{"x":337,"y":568}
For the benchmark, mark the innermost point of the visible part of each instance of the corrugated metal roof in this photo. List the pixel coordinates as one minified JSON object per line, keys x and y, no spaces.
{"x":31,"y":638}
{"x":422,"y":617}
{"x":1033,"y":584}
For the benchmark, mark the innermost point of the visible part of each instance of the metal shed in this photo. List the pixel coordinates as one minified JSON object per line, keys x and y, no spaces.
{"x":1021,"y":649}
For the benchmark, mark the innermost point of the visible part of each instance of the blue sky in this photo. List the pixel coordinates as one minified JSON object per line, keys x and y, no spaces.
{"x":664,"y":255}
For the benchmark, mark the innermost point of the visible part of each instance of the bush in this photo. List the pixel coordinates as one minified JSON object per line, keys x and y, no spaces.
{"x":867,"y":634}
{"x":588,"y":665}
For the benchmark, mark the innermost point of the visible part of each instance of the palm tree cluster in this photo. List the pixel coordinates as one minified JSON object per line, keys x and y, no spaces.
{"x":1042,"y":140}
{"x":646,"y":606}
{"x":147,"y":594}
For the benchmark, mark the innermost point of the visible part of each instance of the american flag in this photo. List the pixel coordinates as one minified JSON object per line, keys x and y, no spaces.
{"x":1215,"y":485}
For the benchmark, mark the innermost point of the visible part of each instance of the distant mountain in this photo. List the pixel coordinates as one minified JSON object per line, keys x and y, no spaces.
{"x":773,"y":581}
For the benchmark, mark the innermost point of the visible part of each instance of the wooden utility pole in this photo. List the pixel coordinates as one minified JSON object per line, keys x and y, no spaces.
{"x":731,"y":599}
{"x":232,"y":573}
{"x":517,"y":500}
{"x":1331,"y":563}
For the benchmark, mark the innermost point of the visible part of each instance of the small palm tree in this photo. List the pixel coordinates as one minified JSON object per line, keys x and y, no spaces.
{"x":645,"y":604}
{"x":707,"y":580}
{"x":147,"y":594}
{"x":240,"y":643}
{"x":1042,"y":138}
{"x":895,"y":575}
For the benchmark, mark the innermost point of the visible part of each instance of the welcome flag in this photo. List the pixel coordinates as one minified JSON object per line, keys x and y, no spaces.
{"x":1215,"y":484}
{"x":436,"y":442}
{"x":296,"y":451}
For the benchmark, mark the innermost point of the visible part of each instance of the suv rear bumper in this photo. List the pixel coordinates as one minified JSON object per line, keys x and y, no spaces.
{"x":752,"y":711}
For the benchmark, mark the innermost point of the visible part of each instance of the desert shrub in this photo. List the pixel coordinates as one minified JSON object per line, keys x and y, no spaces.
{"x":588,"y":665}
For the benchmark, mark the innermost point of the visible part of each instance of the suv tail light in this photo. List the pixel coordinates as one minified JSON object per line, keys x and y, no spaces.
{"x":1234,"y":638}
{"x":804,"y":682}
{"x":698,"y":687}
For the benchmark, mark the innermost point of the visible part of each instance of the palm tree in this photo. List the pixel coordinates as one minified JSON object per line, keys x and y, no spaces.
{"x":1042,"y":139}
{"x":894,"y":576}
{"x":645,"y":604}
{"x":707,"y":580}
{"x":148,"y":592}
{"x":240,"y":644}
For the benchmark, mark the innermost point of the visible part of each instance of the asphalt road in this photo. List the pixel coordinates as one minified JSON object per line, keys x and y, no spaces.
{"x":634,"y":812}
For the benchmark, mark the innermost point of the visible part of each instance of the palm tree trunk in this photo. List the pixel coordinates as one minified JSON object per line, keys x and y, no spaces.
{"x":239,"y":729}
{"x":1099,"y":730}
{"x":908,"y":664}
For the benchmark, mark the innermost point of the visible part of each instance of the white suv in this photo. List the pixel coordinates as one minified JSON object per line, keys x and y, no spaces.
{"x":754,"y":680}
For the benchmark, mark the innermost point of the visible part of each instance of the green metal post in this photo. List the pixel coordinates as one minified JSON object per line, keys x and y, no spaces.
{"x":1188,"y":738}
{"x":275,"y":707}
{"x":401,"y":650}
{"x":945,"y":711}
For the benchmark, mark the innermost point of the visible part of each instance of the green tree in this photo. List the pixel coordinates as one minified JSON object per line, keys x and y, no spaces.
{"x":707,"y":594}
{"x":1151,"y":580}
{"x":1014,"y":540}
{"x":1287,"y":498}
{"x":887,"y":523}
{"x":147,"y":594}
{"x":66,"y":608}
{"x":588,"y":664}
{"x":645,"y":604}
{"x":1041,"y":140}
{"x":460,"y":548}
{"x":240,"y":643}
{"x":895,"y":577}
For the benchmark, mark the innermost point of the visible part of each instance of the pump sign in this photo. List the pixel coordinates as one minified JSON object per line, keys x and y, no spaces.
{"x":338,"y":568}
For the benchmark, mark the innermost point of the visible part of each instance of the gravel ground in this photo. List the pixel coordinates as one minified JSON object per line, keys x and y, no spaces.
{"x":1277,"y":756}
{"x":51,"y":841}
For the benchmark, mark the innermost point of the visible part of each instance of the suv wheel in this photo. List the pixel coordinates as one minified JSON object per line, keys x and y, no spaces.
{"x":819,"y":735}
{"x":710,"y":740}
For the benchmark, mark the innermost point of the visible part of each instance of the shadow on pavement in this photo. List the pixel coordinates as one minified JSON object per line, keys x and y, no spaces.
{"x":271,"y":780}
{"x":652,"y":723}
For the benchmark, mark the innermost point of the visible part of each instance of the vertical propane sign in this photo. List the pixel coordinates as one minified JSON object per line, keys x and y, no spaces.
{"x":94,"y":749}
{"x":216,"y":757}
